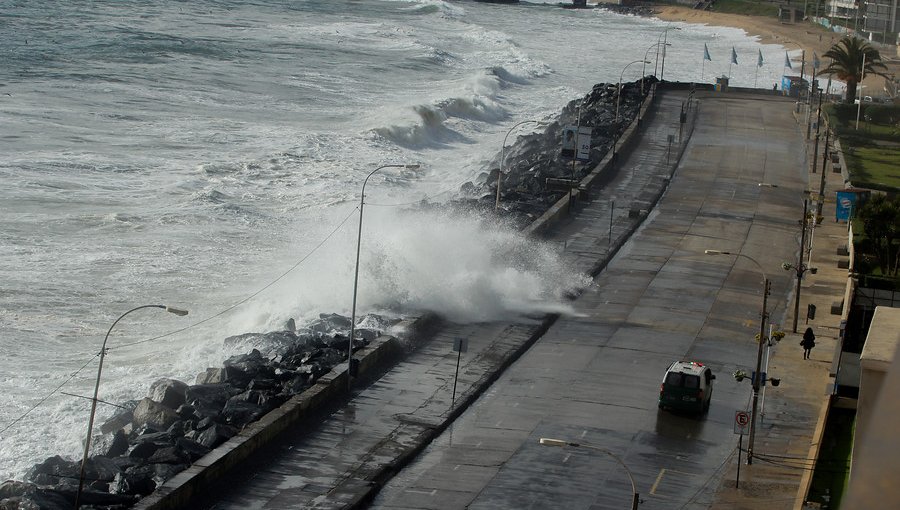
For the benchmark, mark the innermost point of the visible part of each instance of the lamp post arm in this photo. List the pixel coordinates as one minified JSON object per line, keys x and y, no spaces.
{"x":546,"y":441}
{"x":502,"y":150}
{"x":90,"y":428}
{"x":362,"y":201}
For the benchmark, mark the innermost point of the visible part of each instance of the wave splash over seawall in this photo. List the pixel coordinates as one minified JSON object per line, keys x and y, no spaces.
{"x":465,"y":269}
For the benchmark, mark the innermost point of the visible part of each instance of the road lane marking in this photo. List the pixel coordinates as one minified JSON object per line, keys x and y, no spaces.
{"x":432,"y":492}
{"x":656,"y":483}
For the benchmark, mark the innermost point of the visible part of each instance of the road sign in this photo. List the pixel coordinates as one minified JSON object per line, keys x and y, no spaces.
{"x":741,"y":421}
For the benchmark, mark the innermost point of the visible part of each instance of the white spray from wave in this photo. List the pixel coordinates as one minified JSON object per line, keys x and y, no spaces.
{"x":412,"y":261}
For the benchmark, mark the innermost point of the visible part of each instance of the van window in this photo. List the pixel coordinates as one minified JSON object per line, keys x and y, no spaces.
{"x":691,"y":381}
{"x":674,"y":378}
{"x":680,"y":380}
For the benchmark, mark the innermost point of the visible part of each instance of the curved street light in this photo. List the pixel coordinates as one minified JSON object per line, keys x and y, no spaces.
{"x":362,"y":201}
{"x":663,"y":38}
{"x":619,"y":89}
{"x":635,"y":497}
{"x":644,"y":67}
{"x":759,"y":351}
{"x":87,"y":441}
{"x":502,"y":148}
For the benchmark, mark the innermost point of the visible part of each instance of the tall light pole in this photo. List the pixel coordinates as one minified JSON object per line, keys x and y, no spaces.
{"x":757,"y":377}
{"x":635,"y":497}
{"x":663,"y":38}
{"x":502,"y":148}
{"x":644,"y":67}
{"x":362,"y":201}
{"x":87,"y":441}
{"x":619,"y":89}
{"x":800,"y":267}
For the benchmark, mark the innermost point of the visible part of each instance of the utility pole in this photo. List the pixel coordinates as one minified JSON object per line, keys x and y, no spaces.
{"x":801,"y":268}
{"x":757,"y":378}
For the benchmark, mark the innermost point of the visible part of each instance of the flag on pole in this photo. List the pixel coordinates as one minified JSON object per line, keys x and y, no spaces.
{"x":733,"y":56}
{"x":787,"y":61}
{"x":706,"y":53}
{"x":815,"y":61}
{"x":759,"y":61}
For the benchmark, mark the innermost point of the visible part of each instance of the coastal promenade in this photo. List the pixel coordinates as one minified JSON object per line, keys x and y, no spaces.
{"x":591,"y":376}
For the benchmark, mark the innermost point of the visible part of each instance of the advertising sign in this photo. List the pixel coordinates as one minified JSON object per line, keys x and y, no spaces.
{"x":584,"y":143}
{"x":568,"y":141}
{"x":846,"y":203}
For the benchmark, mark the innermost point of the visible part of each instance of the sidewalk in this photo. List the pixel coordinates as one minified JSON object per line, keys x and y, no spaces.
{"x":793,"y":416}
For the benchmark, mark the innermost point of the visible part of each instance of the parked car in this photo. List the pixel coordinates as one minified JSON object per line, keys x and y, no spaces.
{"x":687,"y":386}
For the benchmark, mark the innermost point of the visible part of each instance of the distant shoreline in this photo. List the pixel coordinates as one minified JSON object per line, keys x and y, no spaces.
{"x":793,"y":36}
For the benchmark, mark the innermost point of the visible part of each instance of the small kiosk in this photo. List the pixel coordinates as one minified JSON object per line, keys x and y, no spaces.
{"x":722,"y":84}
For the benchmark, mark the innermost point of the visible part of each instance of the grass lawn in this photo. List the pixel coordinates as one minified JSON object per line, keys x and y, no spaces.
{"x":874,"y":167}
{"x":872,"y":152}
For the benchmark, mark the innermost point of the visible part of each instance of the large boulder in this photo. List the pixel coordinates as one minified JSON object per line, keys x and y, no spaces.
{"x":109,"y":445}
{"x":191,"y":448}
{"x":54,"y":470}
{"x":330,"y":323}
{"x":247,"y":367}
{"x":122,"y":418}
{"x":168,"y":392}
{"x":214,"y":435}
{"x":154,"y":414}
{"x":269,"y":344}
{"x":209,"y":399}
{"x":15,"y":495}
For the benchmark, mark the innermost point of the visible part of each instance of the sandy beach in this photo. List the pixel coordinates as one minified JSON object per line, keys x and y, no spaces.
{"x":793,"y":36}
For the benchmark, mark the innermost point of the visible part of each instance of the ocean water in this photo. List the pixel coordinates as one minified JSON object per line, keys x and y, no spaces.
{"x":209,"y":155}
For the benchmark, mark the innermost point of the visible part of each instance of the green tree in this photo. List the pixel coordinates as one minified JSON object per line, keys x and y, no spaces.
{"x":847,"y":63}
{"x":881,"y":221}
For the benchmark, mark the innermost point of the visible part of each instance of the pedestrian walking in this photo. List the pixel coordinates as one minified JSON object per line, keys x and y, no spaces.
{"x":808,"y":342}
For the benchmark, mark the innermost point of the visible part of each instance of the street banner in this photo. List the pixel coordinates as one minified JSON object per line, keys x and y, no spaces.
{"x":568,"y":141}
{"x":584,"y":143}
{"x":846,"y":203}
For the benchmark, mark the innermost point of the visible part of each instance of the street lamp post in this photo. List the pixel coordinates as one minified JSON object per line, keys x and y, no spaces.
{"x":644,"y":67}
{"x":87,"y":441}
{"x":619,"y":88}
{"x":362,"y":201}
{"x":757,"y":377}
{"x":635,"y":497}
{"x":502,"y":148}
{"x":800,"y":267}
{"x":663,"y":38}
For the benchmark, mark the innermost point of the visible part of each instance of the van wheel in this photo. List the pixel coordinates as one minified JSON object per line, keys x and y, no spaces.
{"x":706,"y":406}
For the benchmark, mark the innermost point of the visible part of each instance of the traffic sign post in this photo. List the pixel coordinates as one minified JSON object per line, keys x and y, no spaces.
{"x":741,"y":421}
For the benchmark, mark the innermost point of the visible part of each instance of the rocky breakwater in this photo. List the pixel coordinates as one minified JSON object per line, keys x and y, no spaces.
{"x":536,"y":173}
{"x":150,"y":440}
{"x":154,"y":438}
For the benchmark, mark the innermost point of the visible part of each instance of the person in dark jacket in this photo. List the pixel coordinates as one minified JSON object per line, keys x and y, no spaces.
{"x":808,"y":342}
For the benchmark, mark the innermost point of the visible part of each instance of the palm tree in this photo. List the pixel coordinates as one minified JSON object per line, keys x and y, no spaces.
{"x":847,"y":63}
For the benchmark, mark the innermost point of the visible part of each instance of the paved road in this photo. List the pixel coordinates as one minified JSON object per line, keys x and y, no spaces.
{"x":594,"y":378}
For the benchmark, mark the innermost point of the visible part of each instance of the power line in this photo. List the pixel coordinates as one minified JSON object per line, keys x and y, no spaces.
{"x":226,"y":310}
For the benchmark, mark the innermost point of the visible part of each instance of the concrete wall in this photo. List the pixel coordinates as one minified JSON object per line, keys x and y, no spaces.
{"x":875,"y":361}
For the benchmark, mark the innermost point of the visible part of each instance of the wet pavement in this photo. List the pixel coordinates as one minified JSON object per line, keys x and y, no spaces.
{"x":592,"y":378}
